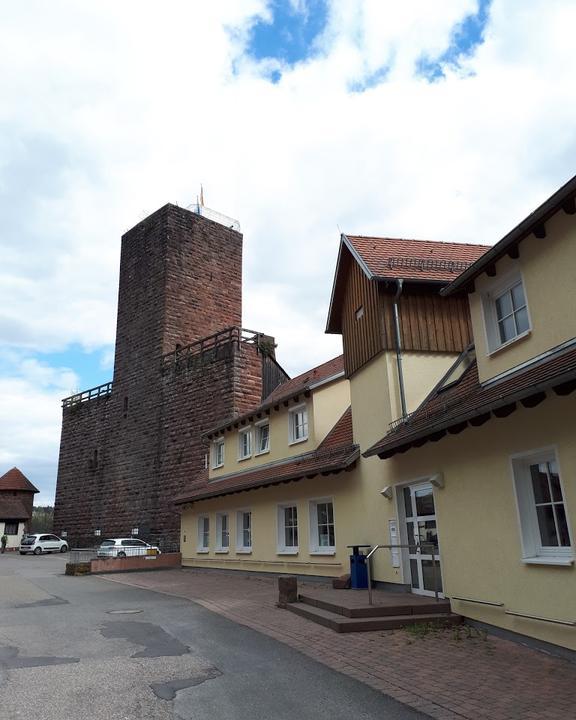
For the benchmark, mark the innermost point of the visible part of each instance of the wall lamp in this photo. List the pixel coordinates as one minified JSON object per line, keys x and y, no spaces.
{"x":437,"y":481}
{"x":387,"y":492}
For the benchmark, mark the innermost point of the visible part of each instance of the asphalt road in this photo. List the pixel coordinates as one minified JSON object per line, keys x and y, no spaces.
{"x":87,"y":649}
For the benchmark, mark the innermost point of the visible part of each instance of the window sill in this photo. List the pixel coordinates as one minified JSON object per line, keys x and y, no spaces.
{"x":262,"y":452}
{"x":217,"y":467}
{"x":246,"y":457}
{"x":221,"y":552}
{"x":300,"y":440}
{"x":323,"y":552}
{"x":202,"y":552}
{"x":507,"y":344}
{"x":244,"y":551}
{"x":542,"y":560}
{"x":287,"y":552}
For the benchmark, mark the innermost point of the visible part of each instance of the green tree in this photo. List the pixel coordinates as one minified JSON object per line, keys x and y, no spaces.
{"x":42,"y":519}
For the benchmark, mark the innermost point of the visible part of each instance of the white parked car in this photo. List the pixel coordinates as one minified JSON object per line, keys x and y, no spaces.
{"x":126,"y":547}
{"x":42,"y":543}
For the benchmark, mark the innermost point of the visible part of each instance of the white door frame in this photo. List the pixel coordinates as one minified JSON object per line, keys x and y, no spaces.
{"x":412,"y":555}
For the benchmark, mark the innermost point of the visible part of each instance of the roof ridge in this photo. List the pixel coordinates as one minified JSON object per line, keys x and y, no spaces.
{"x":418,"y":240}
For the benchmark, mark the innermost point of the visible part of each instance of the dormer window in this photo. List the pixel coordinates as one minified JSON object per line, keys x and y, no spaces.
{"x":245,"y":444}
{"x":506,"y":312}
{"x":217,"y":453}
{"x":262,"y":437}
{"x":298,"y":424}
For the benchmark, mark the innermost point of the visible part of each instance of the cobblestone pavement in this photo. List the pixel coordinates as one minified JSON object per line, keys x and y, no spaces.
{"x":447,"y":674}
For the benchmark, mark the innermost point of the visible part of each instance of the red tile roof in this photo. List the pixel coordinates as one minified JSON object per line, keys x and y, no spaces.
{"x":16,"y":480}
{"x":336,"y":453}
{"x":310,"y":377}
{"x":469,"y":402}
{"x":434,"y":261}
{"x":381,"y":259}
{"x":296,"y":386}
{"x":12,"y":508}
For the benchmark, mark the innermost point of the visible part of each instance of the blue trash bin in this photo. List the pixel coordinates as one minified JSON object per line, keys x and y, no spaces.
{"x":358,"y":570}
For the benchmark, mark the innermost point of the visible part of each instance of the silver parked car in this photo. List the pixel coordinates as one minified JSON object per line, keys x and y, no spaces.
{"x":39,"y":543}
{"x":126,"y":547}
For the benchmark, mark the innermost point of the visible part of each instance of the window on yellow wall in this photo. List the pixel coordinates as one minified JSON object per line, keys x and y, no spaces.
{"x":245,"y":444}
{"x":262,"y":437}
{"x":542,"y":512}
{"x":244,"y":531}
{"x":298,"y":424}
{"x":203,"y":533}
{"x":322,"y":533}
{"x":218,"y":453}
{"x":222,"y":533}
{"x":287,"y":529}
{"x":505,"y":311}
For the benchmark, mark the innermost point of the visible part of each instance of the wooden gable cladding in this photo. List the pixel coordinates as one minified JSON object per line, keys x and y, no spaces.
{"x":428,"y":321}
{"x":361,"y":335}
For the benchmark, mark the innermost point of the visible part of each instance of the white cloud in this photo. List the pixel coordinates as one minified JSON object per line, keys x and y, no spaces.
{"x":30,"y":415}
{"x":111,"y":109}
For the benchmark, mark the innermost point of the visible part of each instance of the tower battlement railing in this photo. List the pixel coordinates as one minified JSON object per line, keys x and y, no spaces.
{"x":215,"y":346}
{"x":94,"y":393}
{"x":207,"y":349}
{"x":199,"y":209}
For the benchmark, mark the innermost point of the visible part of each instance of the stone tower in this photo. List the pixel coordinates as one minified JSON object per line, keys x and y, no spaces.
{"x":181,"y":362}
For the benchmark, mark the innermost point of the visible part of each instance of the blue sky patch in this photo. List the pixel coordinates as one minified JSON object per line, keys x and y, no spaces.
{"x":289,"y":36}
{"x":466,"y":37}
{"x":371,"y":80}
{"x":89,"y":366}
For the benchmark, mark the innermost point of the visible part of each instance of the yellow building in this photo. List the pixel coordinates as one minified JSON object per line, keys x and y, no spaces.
{"x":486,"y":466}
{"x":278,"y":479}
{"x":285,"y":489}
{"x":445,"y":430}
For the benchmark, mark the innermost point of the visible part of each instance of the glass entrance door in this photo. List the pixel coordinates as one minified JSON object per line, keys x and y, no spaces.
{"x":421,"y":531}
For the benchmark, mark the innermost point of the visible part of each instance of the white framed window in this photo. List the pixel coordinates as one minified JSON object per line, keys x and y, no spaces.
{"x":244,"y":443}
{"x":298,"y":424}
{"x":262,"y":437}
{"x":322,"y":533}
{"x":222,"y":532}
{"x":217,"y":453}
{"x":544,"y":526}
{"x":203,"y":534}
{"x":244,"y":531}
{"x":288,"y":529}
{"x":505,"y":312}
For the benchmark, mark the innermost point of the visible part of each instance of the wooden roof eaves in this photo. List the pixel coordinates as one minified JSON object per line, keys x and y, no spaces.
{"x":561,"y":199}
{"x":345,"y":465}
{"x":334,"y":324}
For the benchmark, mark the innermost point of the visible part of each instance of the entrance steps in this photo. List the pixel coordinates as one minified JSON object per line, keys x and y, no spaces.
{"x":357,"y":617}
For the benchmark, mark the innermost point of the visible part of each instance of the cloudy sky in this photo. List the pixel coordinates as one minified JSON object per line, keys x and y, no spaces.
{"x":436,"y":119}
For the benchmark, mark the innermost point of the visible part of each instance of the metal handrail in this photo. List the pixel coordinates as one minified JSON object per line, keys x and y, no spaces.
{"x":418,"y":547}
{"x":86,"y":395}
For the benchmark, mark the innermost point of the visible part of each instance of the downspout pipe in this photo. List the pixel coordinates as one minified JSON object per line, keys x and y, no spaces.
{"x":399,"y":284}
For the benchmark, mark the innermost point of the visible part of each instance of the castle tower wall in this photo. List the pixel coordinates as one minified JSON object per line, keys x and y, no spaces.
{"x":180,"y":282}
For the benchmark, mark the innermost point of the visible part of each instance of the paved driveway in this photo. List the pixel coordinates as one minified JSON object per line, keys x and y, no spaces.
{"x":447,"y":674}
{"x":90,"y":649}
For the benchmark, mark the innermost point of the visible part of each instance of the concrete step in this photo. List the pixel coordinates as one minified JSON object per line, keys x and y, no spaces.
{"x":427,"y":608}
{"x":342,"y":624}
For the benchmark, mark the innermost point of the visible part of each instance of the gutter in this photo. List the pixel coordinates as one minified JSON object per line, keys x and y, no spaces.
{"x":399,"y":284}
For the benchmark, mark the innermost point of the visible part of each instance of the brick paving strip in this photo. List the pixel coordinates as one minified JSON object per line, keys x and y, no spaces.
{"x":443,"y":673}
